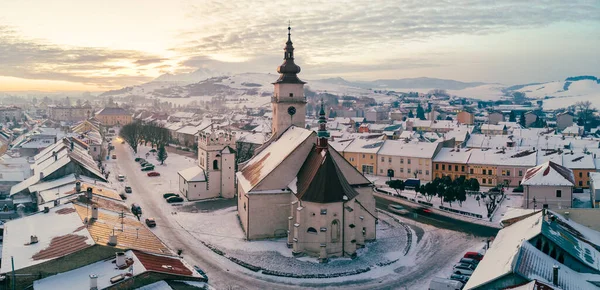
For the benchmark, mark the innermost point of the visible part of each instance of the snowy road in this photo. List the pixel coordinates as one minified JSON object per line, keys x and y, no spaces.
{"x":436,"y":251}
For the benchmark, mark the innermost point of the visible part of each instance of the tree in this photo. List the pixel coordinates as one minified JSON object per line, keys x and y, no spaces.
{"x":474,"y":184}
{"x":395,"y":104}
{"x":132,"y":134}
{"x":396,"y":184}
{"x":430,"y":191}
{"x":450,"y":195}
{"x":162,"y":154}
{"x":519,"y":97}
{"x":420,"y":112}
{"x":410,"y":114}
{"x":441,"y":192}
{"x":461,"y":195}
{"x":512,"y":117}
{"x":522,"y":120}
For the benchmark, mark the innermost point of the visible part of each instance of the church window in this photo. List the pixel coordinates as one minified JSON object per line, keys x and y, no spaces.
{"x":335,"y":231}
{"x":215,"y":164}
{"x":291,"y":95}
{"x":244,"y":206}
{"x":323,"y":211}
{"x":311,"y":230}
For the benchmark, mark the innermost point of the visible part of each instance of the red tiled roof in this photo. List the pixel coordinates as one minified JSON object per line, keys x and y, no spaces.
{"x":61,"y":246}
{"x":163,"y":264}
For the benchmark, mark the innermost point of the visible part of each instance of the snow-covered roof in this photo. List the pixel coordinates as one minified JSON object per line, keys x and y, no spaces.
{"x":579,"y":161}
{"x":491,"y":127}
{"x":453,"y":155}
{"x":364,"y":146}
{"x":268,"y":159}
{"x":574,"y":129}
{"x":189,"y":130}
{"x":506,"y":157}
{"x":549,"y":174}
{"x":340,"y":145}
{"x":411,"y":149}
{"x":193,"y":174}
{"x":59,"y":233}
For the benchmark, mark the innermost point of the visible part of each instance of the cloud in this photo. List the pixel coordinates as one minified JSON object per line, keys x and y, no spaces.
{"x":148,"y":61}
{"x":34,"y":59}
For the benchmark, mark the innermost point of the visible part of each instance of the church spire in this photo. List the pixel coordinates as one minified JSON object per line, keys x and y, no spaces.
{"x":322,"y":134}
{"x":288,"y":70}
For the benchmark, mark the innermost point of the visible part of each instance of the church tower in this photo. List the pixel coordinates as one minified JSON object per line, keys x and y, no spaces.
{"x":289,"y":103}
{"x":216,"y":157}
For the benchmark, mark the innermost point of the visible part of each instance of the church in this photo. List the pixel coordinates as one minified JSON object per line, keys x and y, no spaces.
{"x":298,"y":186}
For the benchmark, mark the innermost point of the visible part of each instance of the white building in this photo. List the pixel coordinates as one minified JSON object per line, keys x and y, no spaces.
{"x":548,"y":185}
{"x":214,"y":176}
{"x":299,"y":186}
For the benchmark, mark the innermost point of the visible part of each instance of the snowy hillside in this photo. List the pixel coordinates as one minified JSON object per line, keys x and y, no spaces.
{"x":565,"y":93}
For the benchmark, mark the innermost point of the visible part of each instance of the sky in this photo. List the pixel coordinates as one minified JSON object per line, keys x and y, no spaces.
{"x":74,"y":45}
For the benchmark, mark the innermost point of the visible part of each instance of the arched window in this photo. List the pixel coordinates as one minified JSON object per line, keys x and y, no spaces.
{"x":311,"y":230}
{"x":215,"y":164}
{"x":335,"y":231}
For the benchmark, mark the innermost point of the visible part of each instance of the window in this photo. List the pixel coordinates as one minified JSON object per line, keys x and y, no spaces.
{"x":471,"y":171}
{"x":371,"y":156}
{"x":382,"y":159}
{"x":437,"y":167}
{"x":443,"y":167}
{"x":580,"y":174}
{"x":291,"y":95}
{"x":323,"y":211}
{"x":380,"y":170}
{"x":558,"y":193}
{"x":483,"y":181}
{"x":580,"y":183}
{"x":489,"y":181}
{"x":507,"y":172}
{"x":363,"y":155}
{"x":215,"y":165}
{"x":401,"y":170}
{"x":408,"y":161}
{"x":588,"y":174}
{"x":351,"y":159}
{"x":335,"y":231}
{"x":420,"y":171}
{"x":401,"y":160}
{"x":462,"y":168}
{"x":426,"y":172}
{"x":455,"y":167}
{"x":408,"y":170}
{"x":311,"y":230}
{"x":520,"y":172}
{"x":390,"y":160}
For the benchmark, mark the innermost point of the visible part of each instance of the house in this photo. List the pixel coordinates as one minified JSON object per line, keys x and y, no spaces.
{"x":214,"y":175}
{"x":403,"y":160}
{"x":531,"y":117}
{"x":362,"y":154}
{"x":495,"y":117}
{"x":582,"y":165}
{"x":114,"y":116}
{"x":564,"y":120}
{"x":298,"y":186}
{"x":572,"y":131}
{"x":10,"y":113}
{"x":545,"y":248}
{"x":70,"y":113}
{"x":490,"y":129}
{"x":464,"y":117}
{"x":548,"y":185}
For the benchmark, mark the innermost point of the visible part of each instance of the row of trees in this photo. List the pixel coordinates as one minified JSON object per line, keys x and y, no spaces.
{"x":138,"y":133}
{"x":445,"y":188}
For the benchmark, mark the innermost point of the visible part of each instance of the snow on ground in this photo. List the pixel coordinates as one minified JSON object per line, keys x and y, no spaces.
{"x":222,"y":229}
{"x":491,"y":92}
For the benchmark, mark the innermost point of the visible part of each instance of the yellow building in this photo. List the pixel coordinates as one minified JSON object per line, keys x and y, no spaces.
{"x":451,"y":162}
{"x":114,"y":116}
{"x":362,"y":154}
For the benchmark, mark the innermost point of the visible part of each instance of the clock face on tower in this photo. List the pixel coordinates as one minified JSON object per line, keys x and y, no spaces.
{"x":291,"y":110}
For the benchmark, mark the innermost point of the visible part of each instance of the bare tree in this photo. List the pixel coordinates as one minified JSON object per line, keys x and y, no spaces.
{"x":132,"y":134}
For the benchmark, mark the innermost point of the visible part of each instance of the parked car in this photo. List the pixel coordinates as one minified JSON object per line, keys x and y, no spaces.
{"x":144,"y":163}
{"x":153,"y":173}
{"x":136,"y":209}
{"x":167,"y":195}
{"x":148,"y":168}
{"x":150,"y":222}
{"x":123,"y":196}
{"x":137,"y":159}
{"x":439,"y":283}
{"x":474,"y":256}
{"x":463,"y":269}
{"x":114,"y":156}
{"x":396,"y":208}
{"x":153,"y":150}
{"x":121,"y":177}
{"x":174,"y":199}
{"x":424,"y":210}
{"x":461,"y":278}
{"x":201,"y":273}
{"x":469,"y":261}
{"x":128,"y":189}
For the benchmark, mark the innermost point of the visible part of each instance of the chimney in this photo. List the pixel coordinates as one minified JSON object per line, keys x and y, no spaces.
{"x":46,"y":209}
{"x":55,"y":156}
{"x":121,"y":261}
{"x":56,"y":202}
{"x":77,"y":186}
{"x":555,"y":275}
{"x":33,"y":240}
{"x":95,"y":212}
{"x":112,"y":240}
{"x":89,"y":193}
{"x":93,"y":282}
{"x":41,"y":175}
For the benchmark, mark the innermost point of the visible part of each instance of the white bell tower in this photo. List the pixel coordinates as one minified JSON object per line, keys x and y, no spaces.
{"x":288,"y":101}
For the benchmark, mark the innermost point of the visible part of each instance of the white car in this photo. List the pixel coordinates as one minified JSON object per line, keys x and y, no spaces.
{"x":463,"y":269}
{"x":121,"y":177}
{"x":396,"y":208}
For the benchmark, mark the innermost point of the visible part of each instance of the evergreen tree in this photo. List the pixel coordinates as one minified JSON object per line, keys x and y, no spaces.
{"x":410,"y":114}
{"x":162,"y":154}
{"x":522,"y":119}
{"x":512,"y":117}
{"x":420,"y":112}
{"x":396,"y":184}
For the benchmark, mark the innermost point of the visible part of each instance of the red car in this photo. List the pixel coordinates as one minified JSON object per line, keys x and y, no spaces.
{"x":153,"y":173}
{"x":474,"y":256}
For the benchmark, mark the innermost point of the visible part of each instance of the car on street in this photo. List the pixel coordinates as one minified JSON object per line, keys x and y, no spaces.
{"x":201,"y":272}
{"x":396,"y":208}
{"x":121,"y":177}
{"x":137,"y":159}
{"x":424,"y":210}
{"x":150,"y":222}
{"x":474,"y":256}
{"x":123,"y":196}
{"x":461,"y":278}
{"x":174,"y":199}
{"x":469,"y":261}
{"x":169,"y":194}
{"x":114,"y":156}
{"x":136,"y":209}
{"x":439,"y":283}
{"x":463,"y":269}
{"x":128,"y":189}
{"x":148,"y":168}
{"x":153,"y":173}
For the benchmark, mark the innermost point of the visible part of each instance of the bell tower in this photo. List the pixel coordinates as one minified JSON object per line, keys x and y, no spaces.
{"x":288,"y":101}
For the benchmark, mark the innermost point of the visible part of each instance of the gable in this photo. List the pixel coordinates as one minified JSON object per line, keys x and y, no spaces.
{"x":352,"y":175}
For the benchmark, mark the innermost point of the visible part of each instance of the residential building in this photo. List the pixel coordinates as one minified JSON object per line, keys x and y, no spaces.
{"x":490,"y":129}
{"x":70,"y":113}
{"x":299,"y":168}
{"x":582,"y":165}
{"x":495,"y":117}
{"x":114,"y":116}
{"x":543,"y":250}
{"x":595,"y":189}
{"x":10,"y":113}
{"x":402,"y":160}
{"x":481,"y":167}
{"x":464,"y":117}
{"x":451,"y":162}
{"x":572,"y":131}
{"x":548,"y":185}
{"x":531,"y":117}
{"x":564,"y":120}
{"x":376,"y":114}
{"x":214,"y":175}
{"x":362,"y":154}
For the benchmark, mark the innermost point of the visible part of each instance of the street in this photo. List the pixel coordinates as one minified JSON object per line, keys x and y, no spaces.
{"x":434,"y":245}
